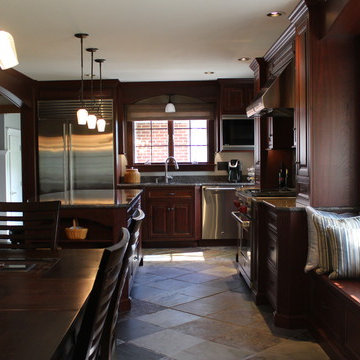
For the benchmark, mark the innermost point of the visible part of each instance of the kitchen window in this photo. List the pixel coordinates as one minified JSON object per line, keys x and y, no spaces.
{"x":153,"y":135}
{"x":186,"y":140}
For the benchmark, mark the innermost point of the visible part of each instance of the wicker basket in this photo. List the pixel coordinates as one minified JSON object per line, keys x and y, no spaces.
{"x":76,"y":232}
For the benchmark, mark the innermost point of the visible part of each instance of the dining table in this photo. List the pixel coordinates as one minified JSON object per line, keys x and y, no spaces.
{"x":42,"y":293}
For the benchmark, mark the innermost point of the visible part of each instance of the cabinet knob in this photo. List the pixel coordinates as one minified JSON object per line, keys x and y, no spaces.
{"x":171,"y":194}
{"x":168,"y":209}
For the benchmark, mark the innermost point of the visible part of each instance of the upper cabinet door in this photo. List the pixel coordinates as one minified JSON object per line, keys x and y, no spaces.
{"x":235,"y":95}
{"x":235,"y":100}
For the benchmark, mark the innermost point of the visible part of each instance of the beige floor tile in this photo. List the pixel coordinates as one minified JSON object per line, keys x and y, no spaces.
{"x":251,"y":339}
{"x":201,"y":307}
{"x":168,"y":318}
{"x":170,"y":298}
{"x":211,"y":351}
{"x":207,"y":329}
{"x":248,"y":316}
{"x":222,"y":271}
{"x":167,"y":342}
{"x":169,"y":284}
{"x":292,"y":350}
{"x":200,"y":290}
{"x":211,"y":312}
{"x":196,"y":278}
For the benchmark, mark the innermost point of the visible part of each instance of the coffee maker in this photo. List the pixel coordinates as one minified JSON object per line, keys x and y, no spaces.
{"x":234,"y":170}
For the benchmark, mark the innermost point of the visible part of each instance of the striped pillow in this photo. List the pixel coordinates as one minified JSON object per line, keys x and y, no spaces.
{"x":345,"y":252}
{"x":312,"y":261}
{"x":321,"y":223}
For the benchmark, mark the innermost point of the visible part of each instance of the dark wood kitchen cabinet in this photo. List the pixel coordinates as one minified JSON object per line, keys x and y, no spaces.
{"x":236,"y":95}
{"x":173,"y":215}
{"x":279,"y":133}
{"x":281,"y":243}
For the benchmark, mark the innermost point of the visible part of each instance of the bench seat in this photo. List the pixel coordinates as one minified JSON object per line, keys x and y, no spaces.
{"x":334,"y":315}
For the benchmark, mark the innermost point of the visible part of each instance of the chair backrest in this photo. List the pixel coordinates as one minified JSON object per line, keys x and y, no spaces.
{"x":108,"y":338}
{"x":134,"y":227}
{"x":29,"y":224}
{"x":88,"y":342}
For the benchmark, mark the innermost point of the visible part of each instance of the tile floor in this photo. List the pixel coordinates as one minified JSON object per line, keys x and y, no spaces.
{"x":190,"y":304}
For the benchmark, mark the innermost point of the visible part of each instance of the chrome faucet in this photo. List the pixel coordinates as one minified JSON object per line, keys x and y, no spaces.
{"x":168,"y":177}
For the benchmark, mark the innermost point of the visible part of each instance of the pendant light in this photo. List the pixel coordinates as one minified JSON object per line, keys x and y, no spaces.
{"x":91,"y":120}
{"x":82,"y":113}
{"x":170,"y":107}
{"x":100,"y":123}
{"x":8,"y":57}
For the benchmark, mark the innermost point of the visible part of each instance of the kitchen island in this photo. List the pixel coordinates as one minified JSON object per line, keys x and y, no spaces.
{"x":104,"y":212}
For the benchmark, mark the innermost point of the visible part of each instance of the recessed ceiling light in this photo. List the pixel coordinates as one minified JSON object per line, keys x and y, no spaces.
{"x":274,"y":13}
{"x":245,"y":58}
{"x":208,"y":72}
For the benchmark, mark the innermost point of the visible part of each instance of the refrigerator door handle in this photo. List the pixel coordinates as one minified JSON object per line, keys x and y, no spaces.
{"x":71,"y":164}
{"x":65,"y":160}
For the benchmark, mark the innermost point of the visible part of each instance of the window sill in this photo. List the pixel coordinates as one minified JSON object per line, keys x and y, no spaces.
{"x":182,"y":167}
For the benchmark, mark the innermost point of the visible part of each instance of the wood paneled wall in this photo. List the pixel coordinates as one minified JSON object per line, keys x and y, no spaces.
{"x":335,"y":110}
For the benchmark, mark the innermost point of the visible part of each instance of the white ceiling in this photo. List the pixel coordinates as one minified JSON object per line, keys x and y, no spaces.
{"x":143,"y":40}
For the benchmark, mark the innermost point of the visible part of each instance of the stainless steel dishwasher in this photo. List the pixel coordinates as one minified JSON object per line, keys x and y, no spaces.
{"x":217,"y":204}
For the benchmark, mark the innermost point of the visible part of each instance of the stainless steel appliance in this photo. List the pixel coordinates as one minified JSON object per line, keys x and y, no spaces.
{"x":245,"y":219}
{"x":243,"y":254}
{"x":72,"y":157}
{"x":237,"y":132}
{"x":217,"y":204}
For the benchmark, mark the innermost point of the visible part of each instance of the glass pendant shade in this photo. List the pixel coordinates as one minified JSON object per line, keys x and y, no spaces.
{"x":82,"y":116}
{"x":91,"y":121}
{"x":170,"y":108}
{"x":100,"y":125}
{"x":8,"y":57}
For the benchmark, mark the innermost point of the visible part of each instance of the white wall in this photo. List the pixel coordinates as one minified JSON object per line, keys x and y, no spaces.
{"x":6,"y":121}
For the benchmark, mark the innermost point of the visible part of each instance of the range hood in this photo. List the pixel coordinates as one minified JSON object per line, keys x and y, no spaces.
{"x":276,"y":97}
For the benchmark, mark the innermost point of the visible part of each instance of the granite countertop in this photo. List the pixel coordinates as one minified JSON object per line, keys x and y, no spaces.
{"x":94,"y":198}
{"x":283,"y":203}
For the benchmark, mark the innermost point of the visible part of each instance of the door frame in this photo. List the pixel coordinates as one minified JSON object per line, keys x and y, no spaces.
{"x":11,"y":132}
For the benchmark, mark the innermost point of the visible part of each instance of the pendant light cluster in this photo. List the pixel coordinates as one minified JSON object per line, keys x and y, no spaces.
{"x":90,"y":116}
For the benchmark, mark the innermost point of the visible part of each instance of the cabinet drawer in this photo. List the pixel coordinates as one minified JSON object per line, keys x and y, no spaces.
{"x":271,"y":285}
{"x":328,"y":308}
{"x":272,"y":219}
{"x":353,"y":331}
{"x":271,"y":249}
{"x":170,"y":193}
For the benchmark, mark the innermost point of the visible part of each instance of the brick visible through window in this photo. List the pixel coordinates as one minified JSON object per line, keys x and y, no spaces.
{"x":187,"y":140}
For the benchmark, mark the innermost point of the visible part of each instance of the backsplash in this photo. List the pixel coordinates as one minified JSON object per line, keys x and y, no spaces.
{"x":246,"y":158}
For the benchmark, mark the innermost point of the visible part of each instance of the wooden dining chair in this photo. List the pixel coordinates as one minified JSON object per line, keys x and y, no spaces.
{"x":87,"y":343}
{"x":108,"y":337}
{"x":29,"y":224}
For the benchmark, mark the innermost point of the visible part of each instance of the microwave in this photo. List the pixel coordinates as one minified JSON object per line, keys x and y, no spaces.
{"x":237,"y":132}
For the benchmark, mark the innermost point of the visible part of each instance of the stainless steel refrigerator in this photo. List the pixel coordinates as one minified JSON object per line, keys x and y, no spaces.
{"x":71,"y":156}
